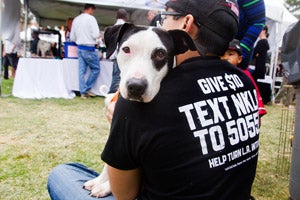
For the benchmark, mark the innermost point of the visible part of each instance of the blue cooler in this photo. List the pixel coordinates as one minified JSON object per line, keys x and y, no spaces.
{"x":70,"y":49}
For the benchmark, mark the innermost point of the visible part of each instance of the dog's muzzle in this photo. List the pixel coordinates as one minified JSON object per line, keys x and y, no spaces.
{"x":136,"y":88}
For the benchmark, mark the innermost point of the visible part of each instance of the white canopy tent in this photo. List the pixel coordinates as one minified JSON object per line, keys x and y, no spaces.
{"x":56,"y":12}
{"x":278,"y":20}
{"x":50,"y":12}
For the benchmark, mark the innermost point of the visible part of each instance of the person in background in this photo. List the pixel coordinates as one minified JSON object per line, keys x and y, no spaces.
{"x":122,"y":17}
{"x":85,"y":32}
{"x":34,"y":42}
{"x":68,"y":29}
{"x":234,"y":56}
{"x":4,"y":64}
{"x":153,"y":17}
{"x":260,"y":55}
{"x":10,"y":50}
{"x":252,"y":19}
{"x":280,"y":70}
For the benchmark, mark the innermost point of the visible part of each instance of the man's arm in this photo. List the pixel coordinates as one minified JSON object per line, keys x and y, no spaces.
{"x":125,"y":184}
{"x":254,"y":12}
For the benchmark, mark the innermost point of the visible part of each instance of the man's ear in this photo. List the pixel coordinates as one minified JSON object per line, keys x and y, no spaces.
{"x":182,"y":41}
{"x":112,"y":36}
{"x":188,"y":22}
{"x":240,"y":58}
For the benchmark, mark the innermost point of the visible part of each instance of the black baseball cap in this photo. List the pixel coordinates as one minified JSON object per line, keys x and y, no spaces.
{"x":234,"y":45}
{"x":211,"y":14}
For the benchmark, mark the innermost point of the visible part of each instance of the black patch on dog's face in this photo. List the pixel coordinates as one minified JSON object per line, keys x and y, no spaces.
{"x":159,"y":58}
{"x":176,"y":42}
{"x":167,"y":40}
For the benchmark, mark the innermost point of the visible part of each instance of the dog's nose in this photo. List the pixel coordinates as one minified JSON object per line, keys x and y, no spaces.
{"x":136,"y":88}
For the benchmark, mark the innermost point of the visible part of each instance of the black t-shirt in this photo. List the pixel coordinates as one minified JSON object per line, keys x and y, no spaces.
{"x":197,"y":139}
{"x":260,"y":54}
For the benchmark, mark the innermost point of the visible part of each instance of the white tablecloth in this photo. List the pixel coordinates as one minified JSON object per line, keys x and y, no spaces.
{"x":70,"y":67}
{"x":40,"y":78}
{"x":52,"y":78}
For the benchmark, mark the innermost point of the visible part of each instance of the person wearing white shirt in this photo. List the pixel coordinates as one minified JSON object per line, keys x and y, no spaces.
{"x":85,"y":32}
{"x":122,"y":17}
{"x":10,"y":51}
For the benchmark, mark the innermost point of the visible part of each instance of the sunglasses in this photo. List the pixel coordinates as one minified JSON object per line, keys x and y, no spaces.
{"x":163,"y":15}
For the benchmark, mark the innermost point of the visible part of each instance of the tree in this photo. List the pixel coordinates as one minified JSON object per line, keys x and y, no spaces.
{"x":293,"y":5}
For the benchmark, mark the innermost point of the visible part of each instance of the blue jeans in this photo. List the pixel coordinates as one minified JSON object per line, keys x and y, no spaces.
{"x":115,"y":78}
{"x":87,"y":59}
{"x":65,"y":182}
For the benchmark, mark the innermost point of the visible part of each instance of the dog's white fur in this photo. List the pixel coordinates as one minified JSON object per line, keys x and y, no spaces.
{"x":99,"y":186}
{"x":136,"y":64}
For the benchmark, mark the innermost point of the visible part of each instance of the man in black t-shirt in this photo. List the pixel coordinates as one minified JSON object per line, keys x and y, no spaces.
{"x":198,"y":138}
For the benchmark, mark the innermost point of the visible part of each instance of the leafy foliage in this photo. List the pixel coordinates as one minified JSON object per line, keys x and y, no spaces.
{"x":293,"y":5}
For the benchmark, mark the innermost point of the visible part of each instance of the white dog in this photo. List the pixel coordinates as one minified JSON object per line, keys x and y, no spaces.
{"x":144,"y":55}
{"x":44,"y":47}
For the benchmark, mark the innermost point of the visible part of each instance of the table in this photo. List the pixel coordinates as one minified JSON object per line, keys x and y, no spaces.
{"x":40,"y":78}
{"x":53,"y":78}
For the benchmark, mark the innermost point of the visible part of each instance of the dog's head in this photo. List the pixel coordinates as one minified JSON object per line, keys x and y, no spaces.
{"x":144,"y":55}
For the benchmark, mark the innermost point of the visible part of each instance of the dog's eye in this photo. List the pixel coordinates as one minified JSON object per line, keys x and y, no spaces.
{"x":126,"y":50}
{"x":159,"y":58}
{"x":160,"y":54}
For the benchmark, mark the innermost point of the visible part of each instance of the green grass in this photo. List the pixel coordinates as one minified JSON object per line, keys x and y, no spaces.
{"x":269,"y":183}
{"x":6,"y":87}
{"x":37,"y":135}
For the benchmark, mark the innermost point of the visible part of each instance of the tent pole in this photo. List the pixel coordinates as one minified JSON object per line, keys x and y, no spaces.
{"x":25,"y":26}
{"x":2,"y":2}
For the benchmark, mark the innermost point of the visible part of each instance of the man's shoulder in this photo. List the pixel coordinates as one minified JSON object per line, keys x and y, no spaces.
{"x":82,"y":16}
{"x":207,"y":60}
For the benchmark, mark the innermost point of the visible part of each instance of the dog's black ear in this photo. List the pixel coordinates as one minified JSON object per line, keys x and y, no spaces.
{"x":182,"y":41}
{"x":112,"y":36}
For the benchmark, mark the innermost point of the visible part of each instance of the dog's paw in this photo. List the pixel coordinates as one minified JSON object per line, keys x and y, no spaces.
{"x":99,"y":186}
{"x":101,"y":190}
{"x":90,"y":184}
